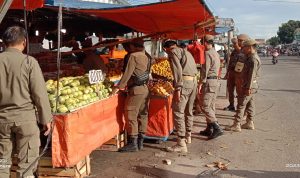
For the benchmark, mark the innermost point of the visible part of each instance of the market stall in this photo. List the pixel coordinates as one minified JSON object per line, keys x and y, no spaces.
{"x":88,"y":128}
{"x":85,"y":115}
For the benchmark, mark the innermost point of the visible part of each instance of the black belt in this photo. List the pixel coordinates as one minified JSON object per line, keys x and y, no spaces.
{"x":212,"y":77}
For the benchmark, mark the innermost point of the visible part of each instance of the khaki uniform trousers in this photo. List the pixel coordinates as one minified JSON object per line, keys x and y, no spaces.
{"x":183,"y":110}
{"x":231,"y":83}
{"x":136,"y":112}
{"x":23,"y":139}
{"x":209,"y":93}
{"x":245,"y":107}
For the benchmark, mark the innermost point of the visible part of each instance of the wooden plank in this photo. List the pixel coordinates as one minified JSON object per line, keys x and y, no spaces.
{"x":111,"y":142}
{"x":115,"y":143}
{"x":83,"y":170}
{"x":88,"y":165}
{"x":80,"y":170}
{"x":81,"y":164}
{"x":45,"y":162}
{"x":56,"y":171}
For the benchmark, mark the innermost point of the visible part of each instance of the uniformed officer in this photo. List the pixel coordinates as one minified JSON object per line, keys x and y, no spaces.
{"x":209,"y":85}
{"x":135,"y":78}
{"x":230,"y":75}
{"x":240,"y":62}
{"x":22,"y":89}
{"x":249,"y":72}
{"x":185,"y":82}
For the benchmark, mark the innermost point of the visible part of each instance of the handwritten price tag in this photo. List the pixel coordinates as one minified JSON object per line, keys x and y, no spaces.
{"x":95,"y":76}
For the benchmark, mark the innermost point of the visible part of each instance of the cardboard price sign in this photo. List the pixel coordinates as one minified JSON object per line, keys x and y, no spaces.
{"x":95,"y":76}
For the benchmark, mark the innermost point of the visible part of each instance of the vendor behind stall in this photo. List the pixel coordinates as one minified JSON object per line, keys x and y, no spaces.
{"x":92,"y":61}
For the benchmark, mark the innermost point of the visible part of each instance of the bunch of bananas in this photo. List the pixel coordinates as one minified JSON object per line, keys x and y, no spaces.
{"x":161,"y":88}
{"x":162,"y":68}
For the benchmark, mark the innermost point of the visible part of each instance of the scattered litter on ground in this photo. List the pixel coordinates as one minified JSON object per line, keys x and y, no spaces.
{"x":160,"y":154}
{"x":133,"y":168}
{"x":249,"y":142}
{"x":167,"y":161}
{"x":224,"y":146}
{"x":217,"y":164}
{"x":209,"y":153}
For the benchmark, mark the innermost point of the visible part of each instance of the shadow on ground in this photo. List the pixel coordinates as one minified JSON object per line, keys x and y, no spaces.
{"x":281,"y":90}
{"x":160,"y":173}
{"x":251,"y":174}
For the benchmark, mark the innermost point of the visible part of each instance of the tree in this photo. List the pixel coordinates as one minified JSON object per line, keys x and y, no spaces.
{"x":286,"y":31}
{"x":274,"y":41}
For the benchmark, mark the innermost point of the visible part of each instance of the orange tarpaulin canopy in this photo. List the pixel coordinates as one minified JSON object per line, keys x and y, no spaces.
{"x":176,"y":18}
{"x":30,"y":4}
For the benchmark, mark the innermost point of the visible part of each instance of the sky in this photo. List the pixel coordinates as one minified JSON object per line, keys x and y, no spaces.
{"x":257,"y":18}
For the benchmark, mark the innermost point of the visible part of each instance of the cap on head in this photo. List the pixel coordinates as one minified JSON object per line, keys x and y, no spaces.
{"x":234,"y":40}
{"x":243,"y":37}
{"x":169,"y":43}
{"x":139,"y":42}
{"x":209,"y":38}
{"x":250,"y":42}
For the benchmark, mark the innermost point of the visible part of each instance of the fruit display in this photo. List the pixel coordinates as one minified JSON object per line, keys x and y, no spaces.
{"x":114,"y":74}
{"x":161,"y":88}
{"x":162,"y":68}
{"x":75,"y":92}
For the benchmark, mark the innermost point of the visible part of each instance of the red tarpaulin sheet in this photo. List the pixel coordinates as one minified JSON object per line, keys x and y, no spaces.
{"x":77,"y":134}
{"x":178,"y":18}
{"x":30,"y":4}
{"x":160,"y":122}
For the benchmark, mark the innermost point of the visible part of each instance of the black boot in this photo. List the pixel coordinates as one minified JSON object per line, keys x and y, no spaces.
{"x":140,"y":141}
{"x":208,"y":131}
{"x":230,"y":108}
{"x":131,"y":145}
{"x":217,"y":131}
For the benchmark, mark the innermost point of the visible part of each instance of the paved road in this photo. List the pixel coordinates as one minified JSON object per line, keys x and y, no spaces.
{"x":270,"y":151}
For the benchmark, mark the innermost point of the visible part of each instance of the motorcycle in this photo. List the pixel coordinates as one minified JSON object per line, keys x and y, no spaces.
{"x":274,"y":59}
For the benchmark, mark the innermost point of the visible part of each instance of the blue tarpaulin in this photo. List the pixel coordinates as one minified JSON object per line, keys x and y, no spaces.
{"x":222,"y":29}
{"x":78,"y":4}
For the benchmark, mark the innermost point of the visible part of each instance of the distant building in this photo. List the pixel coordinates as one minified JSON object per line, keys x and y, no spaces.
{"x":261,"y":41}
{"x":122,"y":2}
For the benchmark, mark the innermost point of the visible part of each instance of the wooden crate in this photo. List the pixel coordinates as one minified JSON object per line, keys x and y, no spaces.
{"x":80,"y":170}
{"x":115,"y":143}
{"x":45,"y":169}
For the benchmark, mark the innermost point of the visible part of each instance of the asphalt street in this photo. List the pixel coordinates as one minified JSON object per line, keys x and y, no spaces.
{"x":270,"y":151}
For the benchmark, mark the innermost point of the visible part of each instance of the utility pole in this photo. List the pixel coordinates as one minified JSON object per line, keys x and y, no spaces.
{"x":4,"y":8}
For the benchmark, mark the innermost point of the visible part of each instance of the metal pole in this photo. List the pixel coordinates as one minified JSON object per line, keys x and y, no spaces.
{"x":4,"y":8}
{"x":59,"y":27}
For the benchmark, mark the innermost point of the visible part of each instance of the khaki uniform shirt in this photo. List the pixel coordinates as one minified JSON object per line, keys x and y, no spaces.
{"x":182,"y":64}
{"x":212,"y":65}
{"x":251,"y":71}
{"x":234,"y":56}
{"x":22,"y":89}
{"x":137,"y":65}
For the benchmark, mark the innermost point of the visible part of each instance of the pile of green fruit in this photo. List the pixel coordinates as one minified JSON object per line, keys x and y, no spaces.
{"x":75,"y":92}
